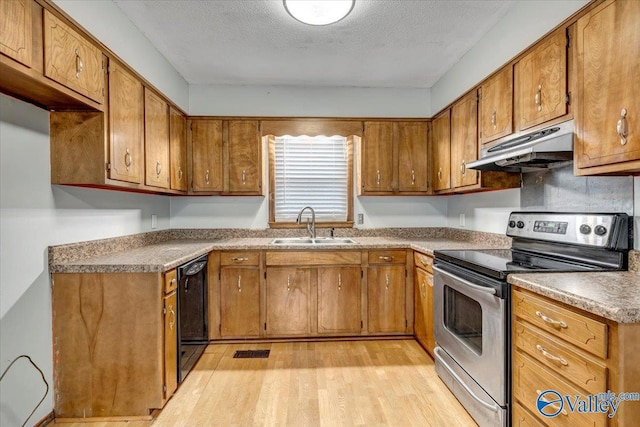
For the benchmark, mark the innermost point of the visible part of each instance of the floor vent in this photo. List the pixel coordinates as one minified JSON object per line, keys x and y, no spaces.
{"x":251,"y":354}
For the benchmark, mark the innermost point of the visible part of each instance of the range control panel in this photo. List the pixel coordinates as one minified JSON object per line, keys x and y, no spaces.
{"x":601,"y":230}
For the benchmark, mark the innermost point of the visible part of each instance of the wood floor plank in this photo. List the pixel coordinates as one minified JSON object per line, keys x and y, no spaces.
{"x":328,"y":383}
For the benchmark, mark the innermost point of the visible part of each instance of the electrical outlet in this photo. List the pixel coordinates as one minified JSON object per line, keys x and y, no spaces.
{"x":462,"y":219}
{"x":154,"y":221}
{"x":360,"y":219}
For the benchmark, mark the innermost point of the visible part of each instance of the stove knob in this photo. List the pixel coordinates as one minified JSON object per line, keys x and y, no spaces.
{"x":600,"y":230}
{"x":512,"y":224}
{"x":585,"y":229}
{"x":520,"y":224}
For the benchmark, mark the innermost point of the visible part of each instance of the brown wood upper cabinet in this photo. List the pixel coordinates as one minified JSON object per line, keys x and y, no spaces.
{"x":126,"y":125}
{"x":156,"y":140}
{"x":243,"y":157}
{"x":16,"y":30}
{"x":71,"y":60}
{"x":541,"y":93}
{"x":608,"y":88}
{"x":393,"y":158}
{"x":206,"y":155}
{"x":441,"y":151}
{"x":464,"y":140}
{"x":496,"y":106}
{"x":178,"y":149}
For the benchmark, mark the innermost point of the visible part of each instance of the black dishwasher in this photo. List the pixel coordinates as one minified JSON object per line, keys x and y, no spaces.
{"x":193,"y":335}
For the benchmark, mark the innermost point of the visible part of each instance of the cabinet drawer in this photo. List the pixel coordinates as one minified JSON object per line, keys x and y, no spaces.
{"x":561,"y":358}
{"x":240,"y":258}
{"x":580,"y":330}
{"x":71,"y":60}
{"x":423,"y":261}
{"x":522,"y":418}
{"x":314,"y":258}
{"x":170,"y":281}
{"x":530,"y":379}
{"x":387,"y":257}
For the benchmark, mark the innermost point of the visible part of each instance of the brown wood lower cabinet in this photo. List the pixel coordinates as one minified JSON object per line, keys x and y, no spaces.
{"x":288,"y":301}
{"x":423,"y":309}
{"x":339,"y":295}
{"x":387,"y":304}
{"x":239,"y":302}
{"x":114,"y":341}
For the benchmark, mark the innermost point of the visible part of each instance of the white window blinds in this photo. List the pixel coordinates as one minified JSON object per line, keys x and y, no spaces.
{"x":311,"y":171}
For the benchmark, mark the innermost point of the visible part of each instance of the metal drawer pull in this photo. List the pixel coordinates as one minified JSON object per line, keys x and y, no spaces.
{"x":79,"y":64}
{"x":239,"y":259}
{"x":339,"y":281}
{"x":424,"y":262}
{"x":623,"y":127}
{"x":413,"y":177}
{"x":550,"y":321}
{"x":538,"y":98}
{"x":550,"y":356}
{"x":386,"y":258}
{"x":239,"y":283}
{"x":553,"y":405}
{"x":378,"y":177}
{"x":173,"y":281}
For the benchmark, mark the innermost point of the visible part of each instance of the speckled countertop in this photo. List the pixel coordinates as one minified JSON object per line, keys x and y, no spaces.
{"x":612,"y":295}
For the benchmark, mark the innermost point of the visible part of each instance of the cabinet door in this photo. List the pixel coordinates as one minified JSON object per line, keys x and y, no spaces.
{"x":412,"y":156}
{"x":608,"y":44}
{"x":178,"y":149}
{"x":386,"y":292}
{"x":288,"y":298}
{"x":156,"y":140}
{"x":71,"y":60}
{"x":496,"y":106}
{"x":377,"y":157}
{"x":206,"y":155}
{"x":339,"y":300}
{"x":464,"y":141}
{"x":15,"y":30}
{"x":424,"y":309}
{"x":542,"y":76}
{"x":170,"y":344}
{"x":244,"y":157}
{"x":126,"y":125}
{"x":239,"y":302}
{"x":441,"y":151}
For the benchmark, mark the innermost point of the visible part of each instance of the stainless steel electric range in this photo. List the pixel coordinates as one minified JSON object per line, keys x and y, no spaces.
{"x":472,"y":303}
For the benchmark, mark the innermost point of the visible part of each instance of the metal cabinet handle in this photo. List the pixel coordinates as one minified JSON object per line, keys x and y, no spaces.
{"x":378,"y":177}
{"x":538,"y":98}
{"x":244,"y":178}
{"x":494,"y":119}
{"x":423,"y":289}
{"x":553,"y":405}
{"x":179,"y":174}
{"x":339,"y":281}
{"x":552,"y":322}
{"x":173,"y":281}
{"x":186,"y":285}
{"x":550,"y":356}
{"x":386,"y":281}
{"x":239,"y":283}
{"x":239,"y":259}
{"x":206,"y":176}
{"x":623,"y":127}
{"x":288,"y":283}
{"x":439,"y":174}
{"x":158,"y":168}
{"x":423,"y":261}
{"x":128,"y":159}
{"x":172,"y":321}
{"x":79,"y":64}
{"x":413,"y":177}
{"x":385,"y":258}
{"x":463,"y":168}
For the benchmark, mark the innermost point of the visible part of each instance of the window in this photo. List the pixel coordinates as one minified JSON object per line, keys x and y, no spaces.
{"x":311,"y":171}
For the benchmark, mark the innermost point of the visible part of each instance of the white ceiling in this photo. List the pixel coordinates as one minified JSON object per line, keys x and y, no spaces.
{"x":382,"y":43}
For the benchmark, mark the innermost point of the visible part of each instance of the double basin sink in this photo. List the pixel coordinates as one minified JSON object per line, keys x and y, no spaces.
{"x":312,"y":241}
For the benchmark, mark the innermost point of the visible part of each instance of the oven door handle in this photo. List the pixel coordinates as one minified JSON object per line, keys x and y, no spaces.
{"x":484,"y":289}
{"x":437,"y":350}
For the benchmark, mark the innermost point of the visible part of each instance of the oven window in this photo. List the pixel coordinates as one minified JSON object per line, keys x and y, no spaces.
{"x":463,"y":318}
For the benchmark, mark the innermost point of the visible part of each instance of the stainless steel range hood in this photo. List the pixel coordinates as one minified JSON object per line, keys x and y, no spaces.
{"x":526,"y":152}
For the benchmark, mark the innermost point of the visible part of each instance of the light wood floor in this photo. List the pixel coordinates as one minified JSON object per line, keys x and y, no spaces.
{"x":342,"y":383}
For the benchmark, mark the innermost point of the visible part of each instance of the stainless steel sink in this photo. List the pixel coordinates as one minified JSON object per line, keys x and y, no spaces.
{"x":316,"y":241}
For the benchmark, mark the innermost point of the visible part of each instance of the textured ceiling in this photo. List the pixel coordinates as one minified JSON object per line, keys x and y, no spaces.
{"x":382,"y":43}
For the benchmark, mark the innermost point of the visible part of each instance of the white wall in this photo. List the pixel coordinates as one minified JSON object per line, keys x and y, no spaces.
{"x":106,"y":22}
{"x":34,"y":215}
{"x":523,"y":24}
{"x":292,"y":101}
{"x":487,"y":212}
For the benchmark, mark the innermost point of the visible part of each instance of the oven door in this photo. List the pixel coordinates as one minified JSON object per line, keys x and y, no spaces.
{"x":470,"y":324}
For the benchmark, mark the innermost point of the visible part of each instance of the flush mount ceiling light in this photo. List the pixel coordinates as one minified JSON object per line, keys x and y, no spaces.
{"x":318,"y":12}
